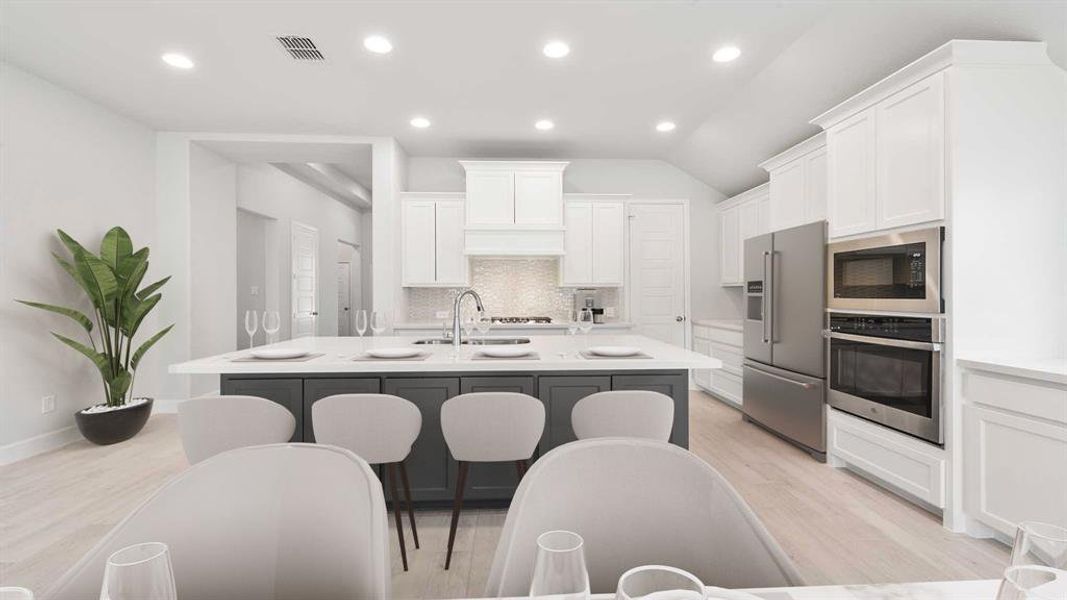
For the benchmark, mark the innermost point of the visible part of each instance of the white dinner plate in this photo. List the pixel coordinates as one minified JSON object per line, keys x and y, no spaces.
{"x":504,"y":352}
{"x":615,"y":350}
{"x":393,"y":352}
{"x":278,"y":353}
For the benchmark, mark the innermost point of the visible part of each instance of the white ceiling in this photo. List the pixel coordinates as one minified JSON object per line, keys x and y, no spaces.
{"x":476,"y":70}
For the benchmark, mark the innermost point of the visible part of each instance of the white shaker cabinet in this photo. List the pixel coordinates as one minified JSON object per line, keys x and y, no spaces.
{"x":490,"y":197}
{"x":594,"y":241}
{"x":851,"y":189}
{"x":432,"y":240}
{"x":538,"y":197}
{"x":514,"y":208}
{"x":730,"y":238}
{"x":788,"y":188}
{"x":798,"y":184}
{"x":741,"y":217}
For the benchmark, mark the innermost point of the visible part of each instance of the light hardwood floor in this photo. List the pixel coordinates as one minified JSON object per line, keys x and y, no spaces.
{"x":837,"y":527}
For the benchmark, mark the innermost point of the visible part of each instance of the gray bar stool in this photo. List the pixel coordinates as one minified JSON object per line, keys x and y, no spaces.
{"x":624,"y":413}
{"x":489,"y":427}
{"x":380,"y":429}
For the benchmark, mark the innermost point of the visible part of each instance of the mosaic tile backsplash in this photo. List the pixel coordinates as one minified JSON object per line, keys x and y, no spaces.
{"x":508,"y":287}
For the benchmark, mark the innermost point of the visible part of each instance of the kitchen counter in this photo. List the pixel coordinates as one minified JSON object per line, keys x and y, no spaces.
{"x":431,"y":326}
{"x":730,"y":324}
{"x":1052,"y":370}
{"x":556,"y":353}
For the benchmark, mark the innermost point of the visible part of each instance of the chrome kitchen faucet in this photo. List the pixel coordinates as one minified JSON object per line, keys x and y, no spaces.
{"x":456,"y":330}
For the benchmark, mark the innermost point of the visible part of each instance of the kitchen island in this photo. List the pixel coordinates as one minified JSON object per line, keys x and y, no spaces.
{"x":559,"y":376}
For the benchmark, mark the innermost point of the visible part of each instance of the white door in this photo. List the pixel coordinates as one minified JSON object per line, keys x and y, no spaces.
{"x":657,"y":271}
{"x":344,"y":298}
{"x":304,"y":247}
{"x":850,"y":147}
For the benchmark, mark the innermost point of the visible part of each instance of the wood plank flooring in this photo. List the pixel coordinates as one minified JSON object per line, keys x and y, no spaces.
{"x":837,"y":527}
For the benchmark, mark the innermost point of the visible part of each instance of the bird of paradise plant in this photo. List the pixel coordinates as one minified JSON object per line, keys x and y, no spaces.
{"x":111,"y":281}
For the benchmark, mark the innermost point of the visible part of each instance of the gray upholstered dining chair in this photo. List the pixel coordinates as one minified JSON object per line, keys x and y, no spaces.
{"x":489,"y":427}
{"x":380,"y":429}
{"x":624,"y":413}
{"x":268,"y":522}
{"x":213,"y":424}
{"x":637,"y":502}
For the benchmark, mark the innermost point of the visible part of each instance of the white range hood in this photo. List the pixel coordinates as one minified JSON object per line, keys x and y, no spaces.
{"x":514,"y":208}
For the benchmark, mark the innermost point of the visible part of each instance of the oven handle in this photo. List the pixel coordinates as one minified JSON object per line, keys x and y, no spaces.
{"x":802,"y":384}
{"x":931,"y":346}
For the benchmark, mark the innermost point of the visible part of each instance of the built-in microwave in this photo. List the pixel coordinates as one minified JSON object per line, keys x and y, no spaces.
{"x":896,"y":272}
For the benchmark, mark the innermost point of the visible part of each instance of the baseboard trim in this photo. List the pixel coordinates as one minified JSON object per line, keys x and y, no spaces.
{"x":38,"y":444}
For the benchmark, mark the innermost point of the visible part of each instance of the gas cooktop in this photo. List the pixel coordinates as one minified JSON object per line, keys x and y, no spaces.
{"x":521,"y":320}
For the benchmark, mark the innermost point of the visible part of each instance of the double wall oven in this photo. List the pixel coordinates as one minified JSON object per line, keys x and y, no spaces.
{"x":885,"y":364}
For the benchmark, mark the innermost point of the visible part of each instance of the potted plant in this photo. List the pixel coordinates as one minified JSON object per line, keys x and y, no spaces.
{"x":111,"y":281}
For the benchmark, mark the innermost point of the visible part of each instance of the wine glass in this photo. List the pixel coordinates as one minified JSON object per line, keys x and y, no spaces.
{"x":361,"y":324}
{"x":468,"y":326}
{"x":139,"y":572}
{"x":484,"y":324}
{"x":251,"y":325}
{"x":1041,"y":544}
{"x":585,"y":323}
{"x":377,"y":323}
{"x":272,"y":322}
{"x":560,"y":569}
{"x":1033,"y":582}
{"x":659,"y":582}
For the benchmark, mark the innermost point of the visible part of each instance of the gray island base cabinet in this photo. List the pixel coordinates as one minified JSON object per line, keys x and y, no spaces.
{"x":430,"y":467}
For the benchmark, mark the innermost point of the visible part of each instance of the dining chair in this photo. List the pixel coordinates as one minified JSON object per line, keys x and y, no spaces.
{"x":489,"y":427}
{"x":380,"y":429}
{"x":636,"y":502}
{"x":624,"y":413}
{"x":212,"y":424}
{"x":271,"y":522}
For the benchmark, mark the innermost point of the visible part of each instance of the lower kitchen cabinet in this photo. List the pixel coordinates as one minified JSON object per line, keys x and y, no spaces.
{"x":721,"y":340}
{"x":287,"y":392}
{"x":430,"y":466}
{"x":317,"y":389}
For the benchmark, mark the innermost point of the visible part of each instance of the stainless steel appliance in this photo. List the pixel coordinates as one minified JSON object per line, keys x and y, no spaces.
{"x":783,"y":387}
{"x":887,"y":369}
{"x":586,"y":298}
{"x":520,"y":320}
{"x":896,"y":272}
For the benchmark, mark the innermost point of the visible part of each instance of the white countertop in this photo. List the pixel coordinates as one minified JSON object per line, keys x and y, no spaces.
{"x":557,"y":353}
{"x":1052,"y":370}
{"x":731,"y":324}
{"x":511,"y":326}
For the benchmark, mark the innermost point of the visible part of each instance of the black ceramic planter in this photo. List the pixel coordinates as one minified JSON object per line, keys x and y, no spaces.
{"x":113,"y":426}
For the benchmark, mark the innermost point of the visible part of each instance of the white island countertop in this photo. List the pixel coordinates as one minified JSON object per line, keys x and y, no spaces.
{"x":555,"y":352}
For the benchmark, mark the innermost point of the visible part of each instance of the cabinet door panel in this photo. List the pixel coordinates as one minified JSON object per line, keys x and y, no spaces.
{"x":730,"y":238}
{"x":451,"y":264}
{"x":850,"y":147}
{"x":911,"y":155}
{"x":539,"y":197}
{"x":609,"y":226}
{"x":417,"y":258}
{"x":430,"y":467}
{"x":287,"y":392}
{"x":702,"y":377}
{"x":560,"y":394}
{"x":748,"y":220}
{"x":763,"y":223}
{"x":787,"y":195}
{"x":815,"y":186}
{"x":490,"y":198}
{"x":317,"y":389}
{"x":578,"y":244}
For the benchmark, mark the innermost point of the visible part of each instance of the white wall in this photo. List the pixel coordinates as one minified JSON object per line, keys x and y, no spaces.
{"x":267,"y":191}
{"x":251,"y":273}
{"x":65,"y":162}
{"x":645,"y":179}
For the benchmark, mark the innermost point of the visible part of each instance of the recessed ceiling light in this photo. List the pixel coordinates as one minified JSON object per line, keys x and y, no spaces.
{"x":726,"y":54}
{"x":544,"y":124}
{"x":556,"y":49}
{"x":420,"y":122}
{"x":665,"y":126}
{"x":178,"y":61}
{"x":378,"y":44}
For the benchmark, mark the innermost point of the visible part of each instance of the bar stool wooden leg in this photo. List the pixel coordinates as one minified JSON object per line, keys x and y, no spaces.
{"x":391,"y":467}
{"x":456,"y":506}
{"x":520,"y":467}
{"x":407,"y":498}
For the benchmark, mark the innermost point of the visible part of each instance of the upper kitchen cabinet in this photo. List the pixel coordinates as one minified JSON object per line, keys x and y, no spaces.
{"x":595,"y":240}
{"x":798,"y":184}
{"x":514,"y":208}
{"x":887,"y":159}
{"x":432,"y":240}
{"x":741,"y":217}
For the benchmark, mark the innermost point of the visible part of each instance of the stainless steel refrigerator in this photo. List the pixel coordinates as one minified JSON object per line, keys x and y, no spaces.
{"x":784,"y":387}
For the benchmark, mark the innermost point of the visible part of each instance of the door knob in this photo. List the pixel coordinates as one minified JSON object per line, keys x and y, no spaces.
{"x":314,"y":314}
{"x":679,"y":318}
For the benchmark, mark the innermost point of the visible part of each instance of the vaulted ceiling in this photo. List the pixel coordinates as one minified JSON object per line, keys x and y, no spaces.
{"x":476,"y":70}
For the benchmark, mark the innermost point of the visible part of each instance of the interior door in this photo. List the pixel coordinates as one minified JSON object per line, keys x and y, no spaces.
{"x":304,"y":247}
{"x":344,"y":298}
{"x":657,"y":271}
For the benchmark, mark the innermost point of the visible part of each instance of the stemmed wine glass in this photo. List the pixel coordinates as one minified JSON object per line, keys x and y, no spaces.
{"x":585,"y":324}
{"x":377,"y":323}
{"x":139,"y":572}
{"x":484,"y":324}
{"x":251,"y":325}
{"x":560,"y":570}
{"x":272,"y":322}
{"x":1038,"y":543}
{"x":1033,"y":582}
{"x":469,"y":324}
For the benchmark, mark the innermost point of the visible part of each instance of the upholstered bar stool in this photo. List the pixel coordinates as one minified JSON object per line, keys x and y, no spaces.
{"x":489,"y":427}
{"x":624,"y":413}
{"x":380,"y":429}
{"x":213,"y":424}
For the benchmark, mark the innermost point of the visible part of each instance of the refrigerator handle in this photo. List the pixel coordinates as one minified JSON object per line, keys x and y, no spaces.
{"x":768,"y":296}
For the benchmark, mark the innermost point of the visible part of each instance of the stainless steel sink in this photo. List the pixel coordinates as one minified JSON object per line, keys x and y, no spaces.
{"x":476,"y":342}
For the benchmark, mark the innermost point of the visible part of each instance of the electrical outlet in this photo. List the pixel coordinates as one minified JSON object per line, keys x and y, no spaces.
{"x":48,"y":404}
{"x":441,"y":314}
{"x":609,"y":312}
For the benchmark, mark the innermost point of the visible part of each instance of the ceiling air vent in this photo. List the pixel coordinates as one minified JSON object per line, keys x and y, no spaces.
{"x":300,"y":48}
